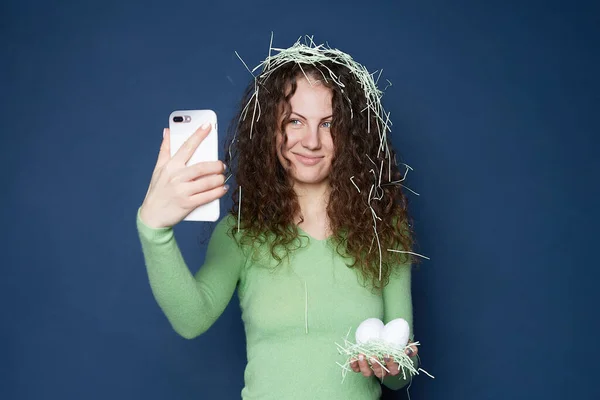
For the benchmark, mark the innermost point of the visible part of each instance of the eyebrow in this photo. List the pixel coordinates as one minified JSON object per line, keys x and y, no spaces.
{"x":303,"y":117}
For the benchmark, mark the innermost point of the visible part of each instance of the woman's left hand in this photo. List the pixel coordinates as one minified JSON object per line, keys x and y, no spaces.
{"x":372,"y":366}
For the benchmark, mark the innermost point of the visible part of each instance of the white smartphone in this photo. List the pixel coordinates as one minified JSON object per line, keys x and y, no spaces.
{"x":182,"y":124}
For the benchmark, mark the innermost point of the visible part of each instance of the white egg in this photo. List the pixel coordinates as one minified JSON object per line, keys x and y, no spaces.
{"x":369,"y":329}
{"x":396,"y":333}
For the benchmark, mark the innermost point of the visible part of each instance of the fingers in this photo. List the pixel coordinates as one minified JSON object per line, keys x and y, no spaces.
{"x":370,"y":368}
{"x":363,"y":366}
{"x":201,"y":169}
{"x":354,"y":365}
{"x":191,"y":144}
{"x":203,"y":184}
{"x":377,"y":368}
{"x":411,"y":351}
{"x":207,"y":196}
{"x":165,"y":149}
{"x":391,"y":365}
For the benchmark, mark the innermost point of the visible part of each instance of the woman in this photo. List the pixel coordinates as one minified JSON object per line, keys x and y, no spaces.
{"x":318,"y":204}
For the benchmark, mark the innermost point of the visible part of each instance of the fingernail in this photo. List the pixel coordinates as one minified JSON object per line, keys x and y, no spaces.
{"x":164,"y":132}
{"x":226,"y":187}
{"x":206,"y":125}
{"x":361,"y":357}
{"x":224,"y":167}
{"x":374,"y":361}
{"x":386,"y":359}
{"x":409,"y":352}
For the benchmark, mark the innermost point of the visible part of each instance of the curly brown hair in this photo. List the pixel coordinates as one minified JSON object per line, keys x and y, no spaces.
{"x":269,"y":204}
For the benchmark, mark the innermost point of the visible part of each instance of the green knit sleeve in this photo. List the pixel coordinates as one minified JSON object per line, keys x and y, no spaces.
{"x":397,"y":303}
{"x":191,"y":303}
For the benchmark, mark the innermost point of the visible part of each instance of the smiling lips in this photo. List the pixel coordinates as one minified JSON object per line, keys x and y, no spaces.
{"x":307,"y":160}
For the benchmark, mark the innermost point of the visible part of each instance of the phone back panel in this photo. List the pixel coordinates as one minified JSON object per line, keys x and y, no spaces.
{"x":208,"y":150}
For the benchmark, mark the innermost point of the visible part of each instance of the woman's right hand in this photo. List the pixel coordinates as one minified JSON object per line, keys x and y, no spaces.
{"x":176,"y":189}
{"x":374,"y":365}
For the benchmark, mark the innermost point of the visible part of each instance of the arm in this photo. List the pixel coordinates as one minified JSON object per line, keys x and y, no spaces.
{"x":397,"y":302}
{"x":191,"y":303}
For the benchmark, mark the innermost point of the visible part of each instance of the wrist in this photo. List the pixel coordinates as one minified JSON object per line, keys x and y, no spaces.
{"x":146,"y":219}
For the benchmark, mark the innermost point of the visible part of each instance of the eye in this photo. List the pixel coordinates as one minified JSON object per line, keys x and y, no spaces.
{"x":295,"y":122}
{"x":326,"y":124}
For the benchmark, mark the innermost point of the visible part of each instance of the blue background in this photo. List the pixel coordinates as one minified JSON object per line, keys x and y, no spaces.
{"x":494,"y":105}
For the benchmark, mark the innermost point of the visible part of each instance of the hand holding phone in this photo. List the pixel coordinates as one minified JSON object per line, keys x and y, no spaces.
{"x":188,"y":179}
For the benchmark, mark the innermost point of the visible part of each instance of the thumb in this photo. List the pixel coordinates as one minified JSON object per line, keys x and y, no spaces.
{"x":164,"y":154}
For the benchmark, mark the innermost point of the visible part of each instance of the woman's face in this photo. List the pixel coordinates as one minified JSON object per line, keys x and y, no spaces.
{"x":309,"y":146}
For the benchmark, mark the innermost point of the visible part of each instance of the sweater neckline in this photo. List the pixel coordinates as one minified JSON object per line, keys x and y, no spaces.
{"x":313,"y":239}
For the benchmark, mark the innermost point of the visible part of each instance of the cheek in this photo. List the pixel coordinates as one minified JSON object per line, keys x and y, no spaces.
{"x":329,"y":146}
{"x":293,"y":138}
{"x":279,"y":150}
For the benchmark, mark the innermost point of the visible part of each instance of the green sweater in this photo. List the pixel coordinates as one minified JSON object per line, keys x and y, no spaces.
{"x":293,"y":314}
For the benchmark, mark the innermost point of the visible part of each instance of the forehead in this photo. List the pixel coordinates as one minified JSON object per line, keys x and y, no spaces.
{"x":311,"y":99}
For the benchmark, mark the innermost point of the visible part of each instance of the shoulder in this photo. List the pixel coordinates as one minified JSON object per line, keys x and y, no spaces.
{"x":222,"y":229}
{"x":227,"y":222}
{"x":224,"y":241}
{"x":226,"y":237}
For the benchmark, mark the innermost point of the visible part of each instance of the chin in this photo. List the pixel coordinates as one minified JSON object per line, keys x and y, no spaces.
{"x":310,"y":180}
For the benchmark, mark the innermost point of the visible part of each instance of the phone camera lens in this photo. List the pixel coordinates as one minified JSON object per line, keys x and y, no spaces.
{"x":177,"y":119}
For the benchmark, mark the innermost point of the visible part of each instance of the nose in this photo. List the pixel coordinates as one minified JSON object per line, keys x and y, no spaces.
{"x":311,"y":138}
